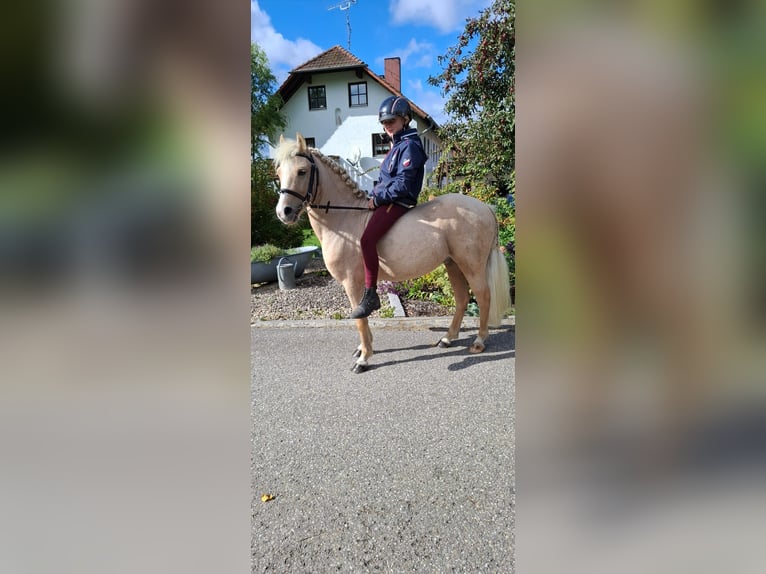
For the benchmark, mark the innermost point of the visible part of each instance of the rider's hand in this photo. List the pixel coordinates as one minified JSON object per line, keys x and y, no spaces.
{"x":370,"y":204}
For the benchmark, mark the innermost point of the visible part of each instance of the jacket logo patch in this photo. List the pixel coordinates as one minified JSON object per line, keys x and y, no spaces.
{"x":406,"y":162}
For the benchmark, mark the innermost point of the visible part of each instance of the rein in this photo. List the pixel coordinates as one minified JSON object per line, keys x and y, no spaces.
{"x":326,"y":207}
{"x":312,"y":189}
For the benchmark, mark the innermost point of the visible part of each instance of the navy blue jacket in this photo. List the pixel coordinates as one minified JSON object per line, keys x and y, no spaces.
{"x":401,"y":173}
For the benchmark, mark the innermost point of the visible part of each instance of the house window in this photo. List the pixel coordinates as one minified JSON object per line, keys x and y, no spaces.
{"x":317,"y":98}
{"x":381,"y":144}
{"x":311,"y":142}
{"x":357,"y":95}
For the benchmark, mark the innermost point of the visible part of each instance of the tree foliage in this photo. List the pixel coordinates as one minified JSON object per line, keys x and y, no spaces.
{"x":478,"y":80}
{"x":265,"y":227}
{"x":479,"y":139}
{"x":266,"y":122}
{"x":266,"y":119}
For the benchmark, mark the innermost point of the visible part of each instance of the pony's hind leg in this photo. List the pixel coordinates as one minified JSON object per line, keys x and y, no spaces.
{"x":482,"y":294}
{"x":460,"y":291}
{"x":481,"y":291}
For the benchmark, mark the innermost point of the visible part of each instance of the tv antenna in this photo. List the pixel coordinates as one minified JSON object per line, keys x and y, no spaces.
{"x":344,"y":7}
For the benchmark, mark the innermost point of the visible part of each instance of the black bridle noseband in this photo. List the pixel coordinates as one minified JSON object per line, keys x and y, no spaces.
{"x":312,"y":189}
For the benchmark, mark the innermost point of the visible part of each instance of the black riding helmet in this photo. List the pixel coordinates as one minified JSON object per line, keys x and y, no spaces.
{"x":395,"y":106}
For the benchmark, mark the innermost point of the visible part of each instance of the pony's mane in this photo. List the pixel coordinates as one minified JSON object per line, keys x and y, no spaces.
{"x":289,"y":148}
{"x":286,"y":150}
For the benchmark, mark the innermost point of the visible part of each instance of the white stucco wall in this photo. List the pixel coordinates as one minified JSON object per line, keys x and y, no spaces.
{"x":341,"y":130}
{"x":353,"y":138}
{"x":321,"y":124}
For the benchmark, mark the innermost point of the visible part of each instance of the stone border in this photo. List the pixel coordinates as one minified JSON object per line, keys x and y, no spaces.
{"x":396,"y":303}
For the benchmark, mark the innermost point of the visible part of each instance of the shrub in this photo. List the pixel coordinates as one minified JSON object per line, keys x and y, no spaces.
{"x":265,"y":227}
{"x":309,"y":238}
{"x":386,"y":312}
{"x":265,"y":253}
{"x":501,"y":201}
{"x":433,"y":286}
{"x":506,"y":217}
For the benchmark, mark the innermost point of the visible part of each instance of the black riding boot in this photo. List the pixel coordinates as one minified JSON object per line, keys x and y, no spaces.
{"x":369,"y":303}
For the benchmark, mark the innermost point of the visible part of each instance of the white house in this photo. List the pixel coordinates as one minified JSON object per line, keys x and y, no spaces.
{"x":333,"y":101}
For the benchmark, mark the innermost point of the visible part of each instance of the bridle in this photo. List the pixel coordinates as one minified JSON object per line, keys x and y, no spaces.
{"x":313,"y":188}
{"x":313,"y":182}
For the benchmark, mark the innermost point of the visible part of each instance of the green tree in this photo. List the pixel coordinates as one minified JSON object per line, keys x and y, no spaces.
{"x":264,"y":225}
{"x":478,"y":80}
{"x":266,"y":122}
{"x":266,"y":119}
{"x":479,"y":138}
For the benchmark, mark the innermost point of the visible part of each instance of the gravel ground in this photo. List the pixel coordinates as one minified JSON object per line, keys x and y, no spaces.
{"x":319,"y":296}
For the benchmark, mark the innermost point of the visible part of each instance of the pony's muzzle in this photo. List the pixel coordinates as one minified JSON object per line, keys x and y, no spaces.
{"x":288,"y":214}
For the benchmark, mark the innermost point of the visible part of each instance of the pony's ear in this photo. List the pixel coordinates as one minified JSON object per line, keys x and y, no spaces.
{"x":301,"y":142}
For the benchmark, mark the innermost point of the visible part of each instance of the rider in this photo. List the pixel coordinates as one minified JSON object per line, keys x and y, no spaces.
{"x":397,"y":190}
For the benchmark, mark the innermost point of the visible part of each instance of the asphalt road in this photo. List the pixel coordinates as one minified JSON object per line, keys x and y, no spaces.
{"x":407,"y":467}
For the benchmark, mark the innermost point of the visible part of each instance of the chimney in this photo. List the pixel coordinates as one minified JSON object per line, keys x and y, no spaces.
{"x":393,"y":72}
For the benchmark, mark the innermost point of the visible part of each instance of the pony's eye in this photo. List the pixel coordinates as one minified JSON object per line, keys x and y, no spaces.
{"x":301,"y":172}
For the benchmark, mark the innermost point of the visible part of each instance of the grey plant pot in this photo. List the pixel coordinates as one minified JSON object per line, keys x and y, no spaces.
{"x":267,"y":272}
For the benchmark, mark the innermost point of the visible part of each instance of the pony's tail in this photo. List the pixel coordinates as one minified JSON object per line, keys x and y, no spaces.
{"x":499,"y":287}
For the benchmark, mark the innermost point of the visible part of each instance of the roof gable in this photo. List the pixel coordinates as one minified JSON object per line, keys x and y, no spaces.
{"x":338,"y":59}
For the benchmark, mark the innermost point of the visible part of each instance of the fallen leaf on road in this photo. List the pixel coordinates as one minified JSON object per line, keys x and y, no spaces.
{"x":267,"y":497}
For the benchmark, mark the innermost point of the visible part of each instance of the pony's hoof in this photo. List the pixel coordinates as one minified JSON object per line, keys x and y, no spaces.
{"x":357,"y":368}
{"x":476,"y":348}
{"x":442,"y":344}
{"x":357,"y":353}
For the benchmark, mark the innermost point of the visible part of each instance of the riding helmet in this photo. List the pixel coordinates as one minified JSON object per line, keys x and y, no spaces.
{"x":395,"y":106}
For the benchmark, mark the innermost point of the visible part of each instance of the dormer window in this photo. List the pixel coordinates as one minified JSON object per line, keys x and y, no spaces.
{"x":357,"y":95}
{"x":317,"y":98}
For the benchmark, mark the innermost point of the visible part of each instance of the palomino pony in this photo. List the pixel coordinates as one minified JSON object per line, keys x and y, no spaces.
{"x":457,"y":230}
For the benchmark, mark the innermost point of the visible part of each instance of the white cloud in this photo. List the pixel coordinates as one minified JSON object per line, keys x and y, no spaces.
{"x":429,"y":100}
{"x":444,"y":15}
{"x":416,"y":55}
{"x":283,"y":54}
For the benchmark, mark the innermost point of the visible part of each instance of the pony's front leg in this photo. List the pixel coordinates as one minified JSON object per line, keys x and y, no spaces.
{"x":364,"y":351}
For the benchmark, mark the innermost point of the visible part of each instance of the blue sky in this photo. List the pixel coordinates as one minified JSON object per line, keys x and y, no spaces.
{"x":417,"y":31}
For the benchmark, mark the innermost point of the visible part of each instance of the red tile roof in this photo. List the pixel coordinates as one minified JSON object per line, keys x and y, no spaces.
{"x":332,"y":59}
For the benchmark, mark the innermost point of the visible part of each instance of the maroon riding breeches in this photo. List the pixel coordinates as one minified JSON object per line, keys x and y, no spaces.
{"x":381,"y":221}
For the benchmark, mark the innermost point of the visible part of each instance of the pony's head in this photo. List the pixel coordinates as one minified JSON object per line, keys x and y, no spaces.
{"x":298,"y":177}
